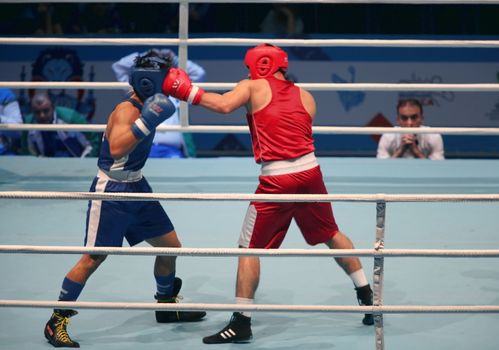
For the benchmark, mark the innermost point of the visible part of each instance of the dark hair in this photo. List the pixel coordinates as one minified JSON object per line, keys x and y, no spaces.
{"x":409,"y":102}
{"x":41,"y":97}
{"x":162,"y":53}
{"x":152,"y":60}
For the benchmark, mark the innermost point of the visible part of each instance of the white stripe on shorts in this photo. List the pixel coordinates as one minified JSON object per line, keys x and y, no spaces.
{"x":248,"y":226}
{"x":94,"y":215}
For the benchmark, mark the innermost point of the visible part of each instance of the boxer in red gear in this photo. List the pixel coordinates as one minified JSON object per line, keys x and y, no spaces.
{"x":280,"y":116}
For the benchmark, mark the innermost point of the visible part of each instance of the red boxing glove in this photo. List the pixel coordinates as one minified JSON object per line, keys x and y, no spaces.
{"x":178,"y":84}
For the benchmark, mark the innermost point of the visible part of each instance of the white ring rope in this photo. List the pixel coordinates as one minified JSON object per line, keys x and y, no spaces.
{"x":250,"y":42}
{"x":395,"y":309}
{"x":478,"y":87}
{"x":211,"y":252}
{"x":125,"y":196}
{"x":244,"y":129}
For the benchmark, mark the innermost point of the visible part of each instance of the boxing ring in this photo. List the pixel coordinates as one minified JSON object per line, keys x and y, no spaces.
{"x":427,"y":230}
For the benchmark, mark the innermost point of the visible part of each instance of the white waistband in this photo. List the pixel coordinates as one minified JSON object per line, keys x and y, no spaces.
{"x":120,"y":175}
{"x":288,"y":166}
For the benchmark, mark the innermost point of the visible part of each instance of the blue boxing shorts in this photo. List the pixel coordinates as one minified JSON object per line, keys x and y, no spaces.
{"x":108,"y":222}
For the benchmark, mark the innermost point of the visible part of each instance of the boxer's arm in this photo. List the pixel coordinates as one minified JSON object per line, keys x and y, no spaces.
{"x":119,"y":130}
{"x":229,"y":101}
{"x":308,"y":102}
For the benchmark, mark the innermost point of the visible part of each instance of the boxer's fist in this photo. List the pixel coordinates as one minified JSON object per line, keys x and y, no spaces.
{"x":156,"y":109}
{"x":178,"y":84}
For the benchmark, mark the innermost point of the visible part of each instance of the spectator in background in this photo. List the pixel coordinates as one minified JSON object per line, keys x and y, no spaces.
{"x":10,"y":113}
{"x":165,"y":144}
{"x":43,"y":19}
{"x":282,"y":21}
{"x":100,"y":18}
{"x":152,"y":18}
{"x":48,"y":20}
{"x":410,"y":115}
{"x":200,"y":20}
{"x":57,"y":143}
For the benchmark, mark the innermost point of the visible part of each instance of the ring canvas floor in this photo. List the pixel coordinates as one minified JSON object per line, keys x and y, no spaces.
{"x":305,"y":280}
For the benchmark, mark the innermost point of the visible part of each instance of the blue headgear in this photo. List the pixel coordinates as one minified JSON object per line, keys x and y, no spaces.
{"x":148,"y":80}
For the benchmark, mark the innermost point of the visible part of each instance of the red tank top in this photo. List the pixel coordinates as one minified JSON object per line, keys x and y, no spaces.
{"x":283,"y":128}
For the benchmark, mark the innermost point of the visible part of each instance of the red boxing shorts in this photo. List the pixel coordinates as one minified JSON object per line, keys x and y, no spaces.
{"x":266,"y":223}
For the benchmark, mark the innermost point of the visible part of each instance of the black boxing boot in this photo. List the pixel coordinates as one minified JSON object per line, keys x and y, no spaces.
{"x":176,"y":316}
{"x":237,"y":331}
{"x":55,"y":329}
{"x":365,"y":298}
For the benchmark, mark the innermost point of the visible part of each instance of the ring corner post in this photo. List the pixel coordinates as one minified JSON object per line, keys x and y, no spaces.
{"x":378,"y":273}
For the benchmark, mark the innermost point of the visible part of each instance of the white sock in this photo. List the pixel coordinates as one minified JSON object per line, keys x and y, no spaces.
{"x":359,"y":278}
{"x":247,"y":302}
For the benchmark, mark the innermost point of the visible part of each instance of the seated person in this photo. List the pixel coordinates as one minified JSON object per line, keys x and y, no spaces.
{"x":57,"y":143}
{"x":165,"y":144}
{"x":423,"y":146}
{"x":10,"y":113}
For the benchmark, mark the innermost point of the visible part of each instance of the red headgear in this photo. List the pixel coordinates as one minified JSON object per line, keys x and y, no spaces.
{"x":264,"y":60}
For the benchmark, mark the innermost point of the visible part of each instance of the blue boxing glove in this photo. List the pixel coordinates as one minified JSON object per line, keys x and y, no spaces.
{"x":156,"y":109}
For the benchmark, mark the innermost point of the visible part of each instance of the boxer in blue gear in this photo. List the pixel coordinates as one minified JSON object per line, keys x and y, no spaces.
{"x":166,"y":144}
{"x":125,"y":149}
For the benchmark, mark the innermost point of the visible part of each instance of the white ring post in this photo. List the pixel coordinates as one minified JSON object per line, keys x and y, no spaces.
{"x":183,"y":33}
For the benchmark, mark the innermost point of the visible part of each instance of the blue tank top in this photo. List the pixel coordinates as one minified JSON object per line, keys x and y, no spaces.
{"x":134,"y":161}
